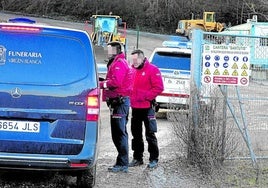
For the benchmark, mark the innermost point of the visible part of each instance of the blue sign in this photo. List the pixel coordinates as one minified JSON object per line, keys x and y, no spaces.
{"x":207,"y":57}
{"x":217,"y":58}
{"x":235,"y":58}
{"x":245,"y":59}
{"x":225,"y":65}
{"x":216,"y":64}
{"x":226,"y":58}
{"x":207,"y":64}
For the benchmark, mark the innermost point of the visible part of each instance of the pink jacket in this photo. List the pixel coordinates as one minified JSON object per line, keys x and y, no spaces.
{"x":118,"y":79}
{"x":147,"y":85}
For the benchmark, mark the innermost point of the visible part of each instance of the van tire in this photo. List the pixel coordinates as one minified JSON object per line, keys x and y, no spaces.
{"x":86,"y":178}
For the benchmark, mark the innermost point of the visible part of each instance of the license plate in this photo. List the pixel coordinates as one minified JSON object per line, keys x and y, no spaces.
{"x":20,"y":126}
{"x":172,"y":81}
{"x":177,"y":85}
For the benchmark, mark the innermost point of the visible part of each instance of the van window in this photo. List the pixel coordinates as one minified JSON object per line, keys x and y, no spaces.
{"x":172,"y":60}
{"x":34,"y":58}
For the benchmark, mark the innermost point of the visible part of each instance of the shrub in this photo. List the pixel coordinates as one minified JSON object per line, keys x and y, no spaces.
{"x":202,"y":132}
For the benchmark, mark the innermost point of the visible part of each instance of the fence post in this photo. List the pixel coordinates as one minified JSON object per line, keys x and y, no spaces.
{"x":138,"y":37}
{"x":196,"y":58}
{"x":196,"y":61}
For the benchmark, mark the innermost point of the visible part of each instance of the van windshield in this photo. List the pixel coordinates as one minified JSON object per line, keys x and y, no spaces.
{"x":172,"y":60}
{"x":42,"y":59}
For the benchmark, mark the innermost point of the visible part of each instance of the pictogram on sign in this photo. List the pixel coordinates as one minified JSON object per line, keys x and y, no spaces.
{"x":245,"y":59}
{"x":207,"y":79}
{"x":244,"y":73}
{"x":207,"y":64}
{"x":225,"y":72}
{"x":216,"y":65}
{"x":207,"y":72}
{"x":217,"y":58}
{"x":235,"y":58}
{"x":234,"y":66}
{"x":207,"y":57}
{"x":244,"y":66}
{"x":225,"y":65}
{"x":244,"y":81}
{"x":235,"y":73}
{"x":216,"y":72}
{"x":226,"y":58}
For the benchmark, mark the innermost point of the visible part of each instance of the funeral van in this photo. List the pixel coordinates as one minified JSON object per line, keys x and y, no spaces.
{"x":49,"y":100}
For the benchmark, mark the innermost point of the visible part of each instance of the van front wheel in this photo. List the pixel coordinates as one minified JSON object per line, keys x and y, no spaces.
{"x":86,"y":178}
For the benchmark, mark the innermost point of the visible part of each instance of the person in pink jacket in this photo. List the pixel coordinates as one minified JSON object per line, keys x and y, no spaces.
{"x":116,"y":91}
{"x":148,"y":84}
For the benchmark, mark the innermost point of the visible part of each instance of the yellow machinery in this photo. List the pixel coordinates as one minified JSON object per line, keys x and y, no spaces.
{"x":105,"y":29}
{"x":208,"y":24}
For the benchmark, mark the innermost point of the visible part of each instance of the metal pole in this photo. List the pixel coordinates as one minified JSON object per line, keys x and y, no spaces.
{"x":252,"y":154}
{"x":138,"y":36}
{"x":196,"y":64}
{"x":224,"y":121}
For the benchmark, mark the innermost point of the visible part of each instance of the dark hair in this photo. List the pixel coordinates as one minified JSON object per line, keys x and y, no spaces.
{"x":137,"y":51}
{"x":118,"y":46}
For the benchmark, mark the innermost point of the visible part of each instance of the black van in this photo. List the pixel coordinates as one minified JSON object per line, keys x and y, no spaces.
{"x":49,"y":100}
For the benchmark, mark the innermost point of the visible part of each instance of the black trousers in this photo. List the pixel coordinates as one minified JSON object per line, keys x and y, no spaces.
{"x":146,"y":116}
{"x":119,"y":119}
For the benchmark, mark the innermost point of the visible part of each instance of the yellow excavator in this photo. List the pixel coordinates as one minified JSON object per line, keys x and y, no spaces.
{"x":208,"y":24}
{"x":105,"y":29}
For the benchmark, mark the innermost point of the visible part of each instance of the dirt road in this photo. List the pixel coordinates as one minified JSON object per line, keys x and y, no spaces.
{"x":167,"y":175}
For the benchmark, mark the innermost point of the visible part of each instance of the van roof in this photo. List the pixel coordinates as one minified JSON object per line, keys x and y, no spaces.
{"x":40,"y":25}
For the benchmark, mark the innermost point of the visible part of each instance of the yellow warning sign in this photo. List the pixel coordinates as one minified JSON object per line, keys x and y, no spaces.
{"x":216,"y":72}
{"x":207,"y":72}
{"x":244,"y":66}
{"x":235,"y":73}
{"x":225,"y":72}
{"x":234,"y":66}
{"x":244,"y":73}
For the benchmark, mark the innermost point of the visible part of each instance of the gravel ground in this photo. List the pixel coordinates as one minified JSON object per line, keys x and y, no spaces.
{"x":168,"y":173}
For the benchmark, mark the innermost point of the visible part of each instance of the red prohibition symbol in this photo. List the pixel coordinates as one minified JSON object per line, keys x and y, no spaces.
{"x":243,"y":81}
{"x":207,"y":79}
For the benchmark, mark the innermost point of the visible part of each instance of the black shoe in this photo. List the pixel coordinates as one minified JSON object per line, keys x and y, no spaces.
{"x":152,"y":164}
{"x":117,"y":168}
{"x":135,"y":162}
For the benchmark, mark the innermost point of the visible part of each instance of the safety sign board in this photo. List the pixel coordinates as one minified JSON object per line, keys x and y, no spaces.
{"x":226,"y":64}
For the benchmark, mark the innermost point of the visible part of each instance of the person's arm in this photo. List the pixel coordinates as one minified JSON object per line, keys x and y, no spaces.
{"x":116,"y":77}
{"x":156,"y":83}
{"x":103,"y":84}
